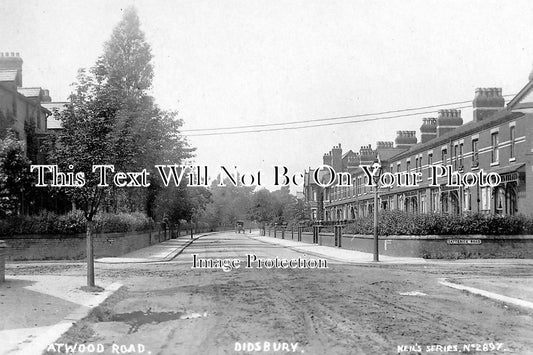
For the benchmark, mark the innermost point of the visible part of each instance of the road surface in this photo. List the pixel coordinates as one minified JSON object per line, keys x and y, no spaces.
{"x":171,"y":308}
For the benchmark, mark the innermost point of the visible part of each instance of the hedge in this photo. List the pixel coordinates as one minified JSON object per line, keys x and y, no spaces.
{"x":74,"y":223}
{"x":402,"y":223}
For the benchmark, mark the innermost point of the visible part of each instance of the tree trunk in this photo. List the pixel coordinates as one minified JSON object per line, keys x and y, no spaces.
{"x":90,"y":254}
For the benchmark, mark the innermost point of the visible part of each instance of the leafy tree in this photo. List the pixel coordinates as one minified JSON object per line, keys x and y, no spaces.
{"x":229,"y":204}
{"x":124,"y":72}
{"x":15,"y":180}
{"x":112,"y":120}
{"x":183,"y":202}
{"x":263,"y":206}
{"x":143,"y":135}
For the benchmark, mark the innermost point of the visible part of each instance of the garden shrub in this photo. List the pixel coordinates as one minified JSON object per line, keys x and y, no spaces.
{"x":74,"y":223}
{"x":402,"y":223}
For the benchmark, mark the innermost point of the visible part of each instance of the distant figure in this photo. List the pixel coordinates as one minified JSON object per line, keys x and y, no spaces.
{"x":239,"y":227}
{"x":165,"y":225}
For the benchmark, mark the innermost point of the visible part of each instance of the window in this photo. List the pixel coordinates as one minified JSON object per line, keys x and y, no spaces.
{"x":419,"y":168}
{"x":512,"y":137}
{"x":430,"y":162}
{"x":444,"y":153}
{"x":455,"y":156}
{"x":500,"y":201}
{"x":495,"y":150}
{"x":460,"y":156}
{"x":423,"y":206}
{"x":485,"y":198}
{"x":434,"y":200}
{"x":475,"y":153}
{"x":408,"y":165}
{"x":467,"y":200}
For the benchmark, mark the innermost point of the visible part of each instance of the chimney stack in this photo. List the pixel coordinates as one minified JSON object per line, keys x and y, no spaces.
{"x":12,"y":61}
{"x":367,"y":154}
{"x":385,"y":145}
{"x":448,"y":120}
{"x":336,"y":158}
{"x":326,"y":159}
{"x":46,"y":96}
{"x":405,"y":139}
{"x":428,"y":130}
{"x":486,"y":102}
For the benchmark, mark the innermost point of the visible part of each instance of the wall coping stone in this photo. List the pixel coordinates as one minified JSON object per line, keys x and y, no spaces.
{"x":443,"y":237}
{"x":433,"y":237}
{"x":76,"y":236}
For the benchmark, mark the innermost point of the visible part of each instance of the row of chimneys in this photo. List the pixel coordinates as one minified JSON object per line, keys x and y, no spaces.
{"x":486,"y":102}
{"x":13,"y":61}
{"x":366,"y":154}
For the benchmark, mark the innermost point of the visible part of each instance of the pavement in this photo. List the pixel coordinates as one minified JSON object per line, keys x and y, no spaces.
{"x":516,"y":291}
{"x":38,"y":309}
{"x":157,"y":253}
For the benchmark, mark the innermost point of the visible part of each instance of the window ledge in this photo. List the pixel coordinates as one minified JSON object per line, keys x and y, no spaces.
{"x":496,"y":163}
{"x":512,"y":159}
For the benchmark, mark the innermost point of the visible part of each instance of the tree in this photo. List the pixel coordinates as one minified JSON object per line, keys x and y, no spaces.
{"x":142,"y":134}
{"x":82,"y":143}
{"x":112,"y":120}
{"x":124,"y":72}
{"x":15,"y":180}
{"x":263,"y":205}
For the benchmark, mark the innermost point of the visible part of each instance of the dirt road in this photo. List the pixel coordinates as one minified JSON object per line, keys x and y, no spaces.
{"x":171,"y":308}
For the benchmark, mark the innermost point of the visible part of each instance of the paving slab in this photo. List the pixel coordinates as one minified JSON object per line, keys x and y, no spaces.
{"x":338,"y":254}
{"x":37,"y":309}
{"x":515,"y":287}
{"x":354,"y":256}
{"x":161,"y":252}
{"x":505,"y":288}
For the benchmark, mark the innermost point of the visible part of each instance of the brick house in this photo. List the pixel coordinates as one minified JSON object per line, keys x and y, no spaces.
{"x":22,"y":109}
{"x":496,"y":140}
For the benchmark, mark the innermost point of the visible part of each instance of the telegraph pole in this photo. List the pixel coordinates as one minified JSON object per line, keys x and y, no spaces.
{"x":376,"y":174}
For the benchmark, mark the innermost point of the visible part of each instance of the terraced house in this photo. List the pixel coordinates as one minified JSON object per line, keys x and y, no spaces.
{"x":498,"y":139}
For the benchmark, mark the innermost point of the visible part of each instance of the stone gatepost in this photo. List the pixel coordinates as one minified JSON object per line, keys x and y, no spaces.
{"x":3,"y":251}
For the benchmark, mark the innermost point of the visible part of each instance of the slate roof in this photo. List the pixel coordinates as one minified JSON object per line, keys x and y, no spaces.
{"x":30,"y":92}
{"x":461,"y":131}
{"x":8,"y":75}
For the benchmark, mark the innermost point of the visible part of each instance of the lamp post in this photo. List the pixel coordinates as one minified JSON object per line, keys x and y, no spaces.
{"x":376,"y":174}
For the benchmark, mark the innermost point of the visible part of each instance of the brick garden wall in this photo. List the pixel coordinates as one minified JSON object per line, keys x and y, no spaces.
{"x":429,"y":246}
{"x":63,"y":247}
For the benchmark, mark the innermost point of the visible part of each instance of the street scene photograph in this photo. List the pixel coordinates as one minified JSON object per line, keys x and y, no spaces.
{"x":266,"y":177}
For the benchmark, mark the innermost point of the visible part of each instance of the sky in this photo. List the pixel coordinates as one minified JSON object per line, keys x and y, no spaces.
{"x":232,"y":63}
